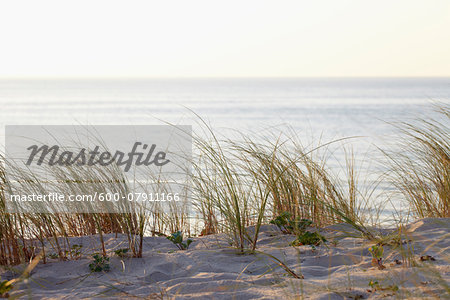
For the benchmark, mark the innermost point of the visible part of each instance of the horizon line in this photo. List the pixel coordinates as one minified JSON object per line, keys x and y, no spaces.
{"x":210,"y":77}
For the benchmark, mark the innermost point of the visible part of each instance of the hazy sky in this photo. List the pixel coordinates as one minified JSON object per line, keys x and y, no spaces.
{"x":209,"y":38}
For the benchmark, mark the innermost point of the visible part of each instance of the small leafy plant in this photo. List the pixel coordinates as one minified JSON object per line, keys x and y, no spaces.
{"x":288,"y":225}
{"x":121,"y":252}
{"x":100,"y":263}
{"x":309,"y":238}
{"x":75,"y":251}
{"x":376,"y":286}
{"x":302,"y":224}
{"x":177,"y":239}
{"x":298,"y":226}
{"x":377,"y":256}
{"x":377,"y":251}
{"x":282,"y":222}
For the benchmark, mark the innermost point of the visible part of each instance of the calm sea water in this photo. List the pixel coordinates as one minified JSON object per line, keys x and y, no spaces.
{"x":325,"y":108}
{"x":338,"y":106}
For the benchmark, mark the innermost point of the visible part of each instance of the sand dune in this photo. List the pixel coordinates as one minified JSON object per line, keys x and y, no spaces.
{"x":210,"y":269}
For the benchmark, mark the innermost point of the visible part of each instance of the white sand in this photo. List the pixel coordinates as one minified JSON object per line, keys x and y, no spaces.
{"x":212,"y":270}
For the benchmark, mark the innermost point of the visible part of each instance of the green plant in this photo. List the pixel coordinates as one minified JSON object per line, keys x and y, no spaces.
{"x":121,"y":252}
{"x":282,"y":222}
{"x":376,"y":286}
{"x":177,"y":239}
{"x":100,"y":263}
{"x":298,"y":226}
{"x":287,"y":225}
{"x":221,"y":188}
{"x":309,"y":238}
{"x":75,"y":251}
{"x":377,"y":256}
{"x":377,"y":251}
{"x":302,"y":224}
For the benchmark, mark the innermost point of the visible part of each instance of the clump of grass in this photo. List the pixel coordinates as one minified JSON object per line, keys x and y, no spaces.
{"x":421,"y":164}
{"x":298,"y":182}
{"x":13,"y":227}
{"x":57,"y":226}
{"x":222,"y":187}
{"x":19,"y":232}
{"x":242,"y":182}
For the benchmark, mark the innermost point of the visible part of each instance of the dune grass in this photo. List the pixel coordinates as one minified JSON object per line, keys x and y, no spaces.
{"x":236,"y":183}
{"x":247,"y":181}
{"x":420,"y":164}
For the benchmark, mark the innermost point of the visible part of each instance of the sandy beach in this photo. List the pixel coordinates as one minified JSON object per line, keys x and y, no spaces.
{"x":210,"y":269}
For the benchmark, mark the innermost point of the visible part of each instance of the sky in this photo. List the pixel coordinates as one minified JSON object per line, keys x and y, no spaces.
{"x":328,"y":38}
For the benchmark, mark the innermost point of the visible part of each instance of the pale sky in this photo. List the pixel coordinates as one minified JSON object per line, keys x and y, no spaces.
{"x":209,"y":38}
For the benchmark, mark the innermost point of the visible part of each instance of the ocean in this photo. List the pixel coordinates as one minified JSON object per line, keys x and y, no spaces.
{"x":344,"y":107}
